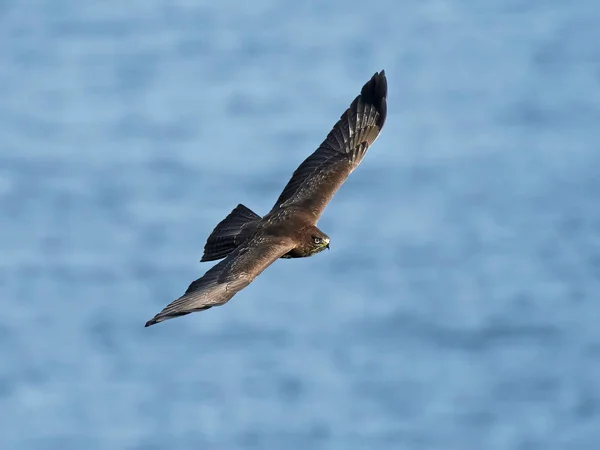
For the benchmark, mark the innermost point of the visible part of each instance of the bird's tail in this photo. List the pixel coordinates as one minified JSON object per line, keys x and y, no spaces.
{"x":227,"y":234}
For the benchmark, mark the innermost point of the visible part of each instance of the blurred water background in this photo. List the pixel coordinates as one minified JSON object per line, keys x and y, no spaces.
{"x":458,"y":307}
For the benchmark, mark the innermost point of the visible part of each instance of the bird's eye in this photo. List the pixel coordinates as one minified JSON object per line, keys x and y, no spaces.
{"x":317,"y":240}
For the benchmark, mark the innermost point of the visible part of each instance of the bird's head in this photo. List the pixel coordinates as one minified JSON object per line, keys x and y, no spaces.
{"x":316,"y":241}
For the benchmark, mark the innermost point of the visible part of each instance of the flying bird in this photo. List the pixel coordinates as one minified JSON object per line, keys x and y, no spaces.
{"x":250,"y":243}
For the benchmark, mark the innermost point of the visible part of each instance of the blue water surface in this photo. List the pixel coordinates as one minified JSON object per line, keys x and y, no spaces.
{"x":458,"y":308}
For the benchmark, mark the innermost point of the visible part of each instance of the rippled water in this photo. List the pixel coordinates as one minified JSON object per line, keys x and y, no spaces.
{"x":458,"y":307}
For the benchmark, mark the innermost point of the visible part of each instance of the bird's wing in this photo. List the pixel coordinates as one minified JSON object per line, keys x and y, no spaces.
{"x":317,"y":179}
{"x":226,"y":278}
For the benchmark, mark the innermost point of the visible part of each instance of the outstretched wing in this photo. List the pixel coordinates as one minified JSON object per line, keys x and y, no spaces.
{"x":317,"y":179}
{"x":228,"y":277}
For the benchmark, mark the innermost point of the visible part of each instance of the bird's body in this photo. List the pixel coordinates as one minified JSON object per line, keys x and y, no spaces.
{"x":250,"y":243}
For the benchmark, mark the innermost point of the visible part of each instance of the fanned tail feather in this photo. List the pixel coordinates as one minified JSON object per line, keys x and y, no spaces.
{"x":227,"y":235}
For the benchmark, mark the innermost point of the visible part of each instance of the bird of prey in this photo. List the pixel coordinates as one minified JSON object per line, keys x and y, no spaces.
{"x":250,"y":243}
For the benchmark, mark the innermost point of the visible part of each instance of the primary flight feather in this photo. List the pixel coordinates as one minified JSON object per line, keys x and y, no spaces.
{"x":250,"y":243}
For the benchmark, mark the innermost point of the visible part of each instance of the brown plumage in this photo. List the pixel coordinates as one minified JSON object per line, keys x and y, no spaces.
{"x":250,"y":243}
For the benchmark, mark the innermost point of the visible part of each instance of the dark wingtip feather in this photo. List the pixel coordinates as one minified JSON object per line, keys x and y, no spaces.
{"x":150,"y":322}
{"x":375,"y":92}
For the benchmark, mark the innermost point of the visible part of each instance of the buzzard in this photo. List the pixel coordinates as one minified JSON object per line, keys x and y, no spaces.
{"x":250,"y":243}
